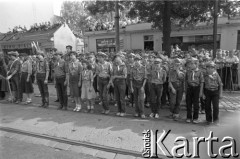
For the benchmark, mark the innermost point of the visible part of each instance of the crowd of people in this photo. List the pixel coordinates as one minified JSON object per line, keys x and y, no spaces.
{"x":106,"y":25}
{"x":35,"y":27}
{"x":147,"y":79}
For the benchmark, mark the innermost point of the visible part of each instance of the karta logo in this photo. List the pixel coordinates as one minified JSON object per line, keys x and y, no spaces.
{"x":153,"y":144}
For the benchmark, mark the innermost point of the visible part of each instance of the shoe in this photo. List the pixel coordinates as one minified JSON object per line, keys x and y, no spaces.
{"x":107,"y":112}
{"x":156,"y":116}
{"x":91,"y":111}
{"x":143,"y":116}
{"x":136,"y":115}
{"x":75,"y":109}
{"x":170,"y":116}
{"x":122,"y":114}
{"x":176,"y":117}
{"x":147,"y":105}
{"x":56,"y":100}
{"x":17,"y":102}
{"x":60,"y":107}
{"x":86,"y":110}
{"x":203,"y":112}
{"x":151,"y":115}
{"x":42,"y":105}
{"x":118,"y":114}
{"x":28,"y":102}
{"x":188,"y":121}
{"x":78,"y":109}
{"x":196,"y":121}
{"x":103,"y":112}
{"x":115,"y":105}
{"x":65,"y":108}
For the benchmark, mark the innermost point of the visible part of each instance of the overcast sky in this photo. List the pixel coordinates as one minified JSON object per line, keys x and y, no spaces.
{"x":26,"y":12}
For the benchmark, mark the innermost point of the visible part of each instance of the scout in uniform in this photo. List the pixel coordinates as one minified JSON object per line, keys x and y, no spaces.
{"x":130,"y":64}
{"x":13,"y":74}
{"x":75,"y":71}
{"x":26,"y":80}
{"x":176,"y":86}
{"x":118,"y":78}
{"x":194,"y":90}
{"x":92,"y":61}
{"x":213,"y":91}
{"x":138,"y":79}
{"x":202,"y":67}
{"x":42,"y":73}
{"x":156,"y":79}
{"x":145,"y":63}
{"x":104,"y":71}
{"x":61,"y":77}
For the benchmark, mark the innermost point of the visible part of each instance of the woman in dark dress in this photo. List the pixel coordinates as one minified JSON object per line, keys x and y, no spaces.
{"x":3,"y":74}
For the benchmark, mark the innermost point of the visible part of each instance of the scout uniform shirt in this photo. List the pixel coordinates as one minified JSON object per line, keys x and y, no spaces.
{"x":157,"y":75}
{"x":60,"y":69}
{"x":176,"y":79}
{"x":139,"y":73}
{"x":14,"y":65}
{"x":42,"y":66}
{"x":75,"y":68}
{"x":219,"y":62}
{"x":119,"y":70}
{"x":104,"y":70}
{"x":212,"y":82}
{"x":27,"y":67}
{"x":194,"y":77}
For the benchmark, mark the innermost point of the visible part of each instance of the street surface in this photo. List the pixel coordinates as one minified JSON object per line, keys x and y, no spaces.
{"x":108,"y":130}
{"x":15,"y":149}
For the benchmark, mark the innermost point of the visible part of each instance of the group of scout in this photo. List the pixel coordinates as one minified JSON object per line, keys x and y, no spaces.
{"x":130,"y":73}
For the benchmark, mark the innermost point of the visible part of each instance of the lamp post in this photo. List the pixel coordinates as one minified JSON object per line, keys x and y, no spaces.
{"x":117,"y":43}
{"x":215,"y":16}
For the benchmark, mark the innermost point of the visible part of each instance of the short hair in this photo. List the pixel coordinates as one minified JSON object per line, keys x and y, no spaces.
{"x":89,"y":66}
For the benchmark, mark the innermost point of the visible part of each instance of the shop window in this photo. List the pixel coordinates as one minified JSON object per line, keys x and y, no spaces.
{"x":106,"y":45}
{"x":148,"y":42}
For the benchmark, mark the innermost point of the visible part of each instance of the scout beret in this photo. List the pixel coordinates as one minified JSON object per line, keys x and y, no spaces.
{"x":158,"y":60}
{"x":101,"y":54}
{"x":210,"y":64}
{"x":137,"y":57}
{"x":177,"y":61}
{"x":14,"y":53}
{"x":58,"y":53}
{"x":69,"y":46}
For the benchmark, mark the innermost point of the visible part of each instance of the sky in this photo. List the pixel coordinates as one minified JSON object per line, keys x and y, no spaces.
{"x":26,"y":12}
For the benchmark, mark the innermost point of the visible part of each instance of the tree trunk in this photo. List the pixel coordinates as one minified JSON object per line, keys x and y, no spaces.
{"x":117,"y":43}
{"x":167,"y":28}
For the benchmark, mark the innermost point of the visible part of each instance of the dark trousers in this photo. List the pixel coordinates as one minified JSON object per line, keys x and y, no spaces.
{"x":138,"y":96}
{"x":15,"y":83}
{"x":212,"y":98}
{"x":119,"y":92}
{"x":165,"y":94}
{"x":62,"y":91}
{"x":156,"y":94}
{"x":192,"y":101}
{"x":147,"y":92}
{"x":103,"y":92}
{"x":43,"y":88}
{"x":175,"y":99}
{"x":203,"y":103}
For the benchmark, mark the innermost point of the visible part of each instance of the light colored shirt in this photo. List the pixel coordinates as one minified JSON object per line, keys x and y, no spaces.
{"x":104,"y":70}
{"x":212,"y":82}
{"x":27,"y":67}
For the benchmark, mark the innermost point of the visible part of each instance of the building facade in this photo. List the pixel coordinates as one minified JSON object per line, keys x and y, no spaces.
{"x":142,"y":37}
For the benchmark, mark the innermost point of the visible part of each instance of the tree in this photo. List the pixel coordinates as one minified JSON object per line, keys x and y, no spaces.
{"x":76,"y":14}
{"x":164,"y":14}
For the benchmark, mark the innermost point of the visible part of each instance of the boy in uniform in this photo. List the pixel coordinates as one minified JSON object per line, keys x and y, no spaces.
{"x":176,"y":86}
{"x":61,"y":76}
{"x":194,"y":90}
{"x":156,"y":79}
{"x":138,"y":80}
{"x":104,"y":71}
{"x":213,"y":92}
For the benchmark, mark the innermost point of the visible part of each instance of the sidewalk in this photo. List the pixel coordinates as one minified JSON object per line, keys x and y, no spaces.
{"x":112,"y":131}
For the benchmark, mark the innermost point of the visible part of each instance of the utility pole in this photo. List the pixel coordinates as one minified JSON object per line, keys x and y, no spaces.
{"x":117,"y":43}
{"x":215,"y":16}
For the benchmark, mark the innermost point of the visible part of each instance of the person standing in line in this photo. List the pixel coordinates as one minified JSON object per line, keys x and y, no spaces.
{"x":88,"y":93}
{"x":176,"y":85}
{"x":75,"y":71}
{"x":138,"y":80}
{"x":104,"y":71}
{"x":194,"y":90}
{"x":13,"y":74}
{"x":61,"y":76}
{"x":41,"y":76}
{"x":118,"y":79}
{"x":157,"y":77}
{"x":213,"y":92}
{"x":130,"y":64}
{"x":26,"y":78}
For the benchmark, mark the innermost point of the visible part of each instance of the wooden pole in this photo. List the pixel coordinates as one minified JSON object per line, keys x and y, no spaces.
{"x":215,"y":16}
{"x":117,"y":43}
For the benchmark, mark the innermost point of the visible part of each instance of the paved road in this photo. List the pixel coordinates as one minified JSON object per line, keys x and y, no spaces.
{"x":15,"y":149}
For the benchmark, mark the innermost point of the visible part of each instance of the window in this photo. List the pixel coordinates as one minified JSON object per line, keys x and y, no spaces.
{"x":148,"y":42}
{"x":106,"y":45}
{"x":238,"y":40}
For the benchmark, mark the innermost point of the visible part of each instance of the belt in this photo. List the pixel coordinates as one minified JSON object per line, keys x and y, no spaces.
{"x":60,"y":77}
{"x":211,"y":89}
{"x":104,"y":78}
{"x":193,"y":85}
